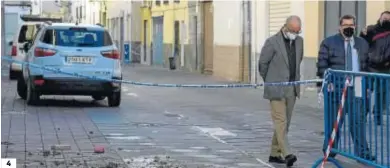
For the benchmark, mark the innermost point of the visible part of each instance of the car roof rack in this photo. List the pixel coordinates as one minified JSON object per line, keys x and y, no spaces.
{"x":36,"y":18}
{"x":48,"y":22}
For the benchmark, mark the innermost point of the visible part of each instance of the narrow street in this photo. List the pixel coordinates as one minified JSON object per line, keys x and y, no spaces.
{"x":154,"y":126}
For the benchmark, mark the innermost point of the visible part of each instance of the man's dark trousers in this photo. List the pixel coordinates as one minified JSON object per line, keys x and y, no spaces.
{"x":354,"y":109}
{"x":381,"y":96}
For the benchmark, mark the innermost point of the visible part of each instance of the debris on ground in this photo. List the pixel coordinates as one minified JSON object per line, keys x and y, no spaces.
{"x":153,"y":162}
{"x":46,"y":153}
{"x":6,"y":143}
{"x":60,"y":147}
{"x":98,"y":149}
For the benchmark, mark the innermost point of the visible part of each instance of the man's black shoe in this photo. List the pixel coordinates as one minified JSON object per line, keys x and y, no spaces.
{"x":331,"y":154}
{"x":368,"y":157}
{"x":276,"y":159}
{"x":290,"y":160}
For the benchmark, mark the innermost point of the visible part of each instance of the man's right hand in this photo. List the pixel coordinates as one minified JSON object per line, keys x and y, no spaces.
{"x":330,"y":87}
{"x":364,"y":31}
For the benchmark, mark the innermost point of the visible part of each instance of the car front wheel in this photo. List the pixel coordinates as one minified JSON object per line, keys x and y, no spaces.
{"x":12,"y":74}
{"x":32,"y":96}
{"x":114,"y":100}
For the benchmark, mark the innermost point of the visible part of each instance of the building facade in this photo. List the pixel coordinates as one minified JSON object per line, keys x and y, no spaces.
{"x":224,"y":38}
{"x":165,"y":33}
{"x":85,"y":12}
{"x":123,"y":22}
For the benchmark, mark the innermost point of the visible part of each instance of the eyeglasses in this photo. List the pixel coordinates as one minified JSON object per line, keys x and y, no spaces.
{"x":292,"y":31}
{"x":347,"y":25}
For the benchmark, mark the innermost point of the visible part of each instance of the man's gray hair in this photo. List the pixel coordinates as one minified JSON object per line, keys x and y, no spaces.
{"x":293,"y":17}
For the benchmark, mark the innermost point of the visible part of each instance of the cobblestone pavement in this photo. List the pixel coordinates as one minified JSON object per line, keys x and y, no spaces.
{"x":154,"y":127}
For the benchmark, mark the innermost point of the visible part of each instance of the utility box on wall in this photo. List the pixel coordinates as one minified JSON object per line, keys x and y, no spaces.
{"x":127,"y":53}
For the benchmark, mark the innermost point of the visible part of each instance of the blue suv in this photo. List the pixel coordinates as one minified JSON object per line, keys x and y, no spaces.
{"x":75,"y":48}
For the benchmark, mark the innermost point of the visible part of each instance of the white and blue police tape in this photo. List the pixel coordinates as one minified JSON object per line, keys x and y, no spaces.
{"x":56,"y":70}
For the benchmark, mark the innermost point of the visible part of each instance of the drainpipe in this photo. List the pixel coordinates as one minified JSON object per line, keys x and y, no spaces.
{"x":2,"y":28}
{"x":242,"y":38}
{"x":251,"y":56}
{"x":256,"y":44}
{"x":130,"y":14}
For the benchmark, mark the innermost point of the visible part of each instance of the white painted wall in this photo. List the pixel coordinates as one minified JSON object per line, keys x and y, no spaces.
{"x":260,"y":33}
{"x":298,"y":8}
{"x":131,"y":13}
{"x":227,"y":22}
{"x":90,"y":11}
{"x":35,"y":7}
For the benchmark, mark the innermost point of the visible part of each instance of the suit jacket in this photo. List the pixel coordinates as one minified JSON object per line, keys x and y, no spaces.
{"x":274,"y":66}
{"x":332,"y":55}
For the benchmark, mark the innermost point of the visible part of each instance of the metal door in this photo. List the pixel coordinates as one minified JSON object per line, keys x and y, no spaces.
{"x":158,"y":31}
{"x":11,"y":28}
{"x":334,"y":10}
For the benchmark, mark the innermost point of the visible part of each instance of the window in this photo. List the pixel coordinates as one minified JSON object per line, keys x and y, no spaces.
{"x":77,"y":12}
{"x":158,"y":2}
{"x":166,"y":2}
{"x":38,"y":28}
{"x":48,"y":37}
{"x":77,"y":37}
{"x":81,"y":12}
{"x":27,"y":33}
{"x":176,"y":1}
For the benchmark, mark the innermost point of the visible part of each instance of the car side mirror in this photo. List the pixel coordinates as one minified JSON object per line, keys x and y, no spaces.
{"x":26,"y":47}
{"x":10,"y":43}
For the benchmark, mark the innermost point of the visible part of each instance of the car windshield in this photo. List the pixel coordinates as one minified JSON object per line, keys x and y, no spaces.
{"x":80,"y":38}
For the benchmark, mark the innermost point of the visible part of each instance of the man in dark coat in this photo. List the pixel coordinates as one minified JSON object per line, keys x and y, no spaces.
{"x":344,"y":51}
{"x":378,"y":37}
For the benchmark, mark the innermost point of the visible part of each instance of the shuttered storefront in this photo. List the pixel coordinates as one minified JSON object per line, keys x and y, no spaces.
{"x":278,"y":12}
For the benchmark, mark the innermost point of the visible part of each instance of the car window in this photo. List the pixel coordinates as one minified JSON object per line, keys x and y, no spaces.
{"x":27,"y":32}
{"x":48,"y":37}
{"x":38,"y":29}
{"x":77,"y":37}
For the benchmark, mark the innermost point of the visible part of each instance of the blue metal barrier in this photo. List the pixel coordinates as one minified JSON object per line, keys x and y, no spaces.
{"x":355,"y":127}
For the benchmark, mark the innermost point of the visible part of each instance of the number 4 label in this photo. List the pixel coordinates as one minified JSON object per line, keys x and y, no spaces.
{"x":8,"y":163}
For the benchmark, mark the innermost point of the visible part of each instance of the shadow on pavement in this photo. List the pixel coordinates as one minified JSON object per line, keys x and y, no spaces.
{"x":69,"y":103}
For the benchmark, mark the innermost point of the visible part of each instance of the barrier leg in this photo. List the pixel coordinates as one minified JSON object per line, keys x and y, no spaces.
{"x":331,"y":160}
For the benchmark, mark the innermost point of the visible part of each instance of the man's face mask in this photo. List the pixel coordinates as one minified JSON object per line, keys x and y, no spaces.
{"x":385,"y":23}
{"x":349,"y":31}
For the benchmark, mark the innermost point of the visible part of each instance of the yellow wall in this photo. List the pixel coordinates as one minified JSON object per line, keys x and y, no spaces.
{"x":171,"y":12}
{"x":145,"y":14}
{"x":314,"y":22}
{"x":374,"y":9}
{"x":314,"y":27}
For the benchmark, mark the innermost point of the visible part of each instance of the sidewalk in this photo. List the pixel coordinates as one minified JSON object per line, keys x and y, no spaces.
{"x":155,"y":126}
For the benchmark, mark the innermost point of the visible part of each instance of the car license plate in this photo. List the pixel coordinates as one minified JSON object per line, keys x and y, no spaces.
{"x":79,"y":60}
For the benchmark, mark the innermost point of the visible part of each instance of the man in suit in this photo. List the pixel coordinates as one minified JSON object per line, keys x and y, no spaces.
{"x":345,"y":51}
{"x":280,"y":61}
